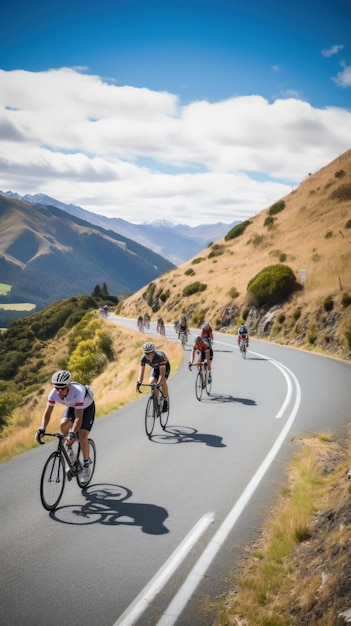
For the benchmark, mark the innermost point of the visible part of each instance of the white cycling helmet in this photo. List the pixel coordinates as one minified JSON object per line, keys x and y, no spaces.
{"x":148,"y":347}
{"x":61,"y":379}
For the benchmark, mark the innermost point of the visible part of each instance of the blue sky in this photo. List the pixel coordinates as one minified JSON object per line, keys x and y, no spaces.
{"x":194,"y":111}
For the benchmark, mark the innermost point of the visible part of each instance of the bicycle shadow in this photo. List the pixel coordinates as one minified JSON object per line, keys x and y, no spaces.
{"x":184,"y":434}
{"x":226,"y":397}
{"x":106,"y":504}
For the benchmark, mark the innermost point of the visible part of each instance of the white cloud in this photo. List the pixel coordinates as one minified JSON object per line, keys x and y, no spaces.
{"x":329,"y":52}
{"x":138,"y":154}
{"x":343,"y":78}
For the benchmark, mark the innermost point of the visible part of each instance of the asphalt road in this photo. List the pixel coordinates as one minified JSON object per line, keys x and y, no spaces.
{"x":156,"y":533}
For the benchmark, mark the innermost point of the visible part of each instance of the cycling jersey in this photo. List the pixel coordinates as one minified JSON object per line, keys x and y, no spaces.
{"x":79,"y":396}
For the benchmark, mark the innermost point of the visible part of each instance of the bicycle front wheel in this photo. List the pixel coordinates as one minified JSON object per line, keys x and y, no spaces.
{"x":150,"y":416}
{"x":82,"y":479}
{"x":164,"y":415}
{"x":243,"y":349}
{"x":198,"y":385}
{"x":208,"y":384}
{"x":52,"y":481}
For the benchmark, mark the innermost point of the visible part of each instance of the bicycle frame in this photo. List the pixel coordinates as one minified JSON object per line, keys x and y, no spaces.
{"x":201,"y":382}
{"x":153,"y":408}
{"x":55,"y":473}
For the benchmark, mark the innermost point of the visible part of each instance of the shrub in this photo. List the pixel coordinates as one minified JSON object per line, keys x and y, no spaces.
{"x":198,"y":259}
{"x":348,"y":224}
{"x":346,"y":300}
{"x":148,"y":295}
{"x":8,"y":402}
{"x":237,"y":230}
{"x":343,"y":192}
{"x":245,"y":313}
{"x":297,"y":314}
{"x":281,"y":318}
{"x":233,"y":292}
{"x":328,"y":303}
{"x":272,"y":285}
{"x":339,"y":174}
{"x":269,"y":221}
{"x":189,"y":272}
{"x":199,"y":317}
{"x":189,"y":290}
{"x":328,"y":235}
{"x":277,"y":207}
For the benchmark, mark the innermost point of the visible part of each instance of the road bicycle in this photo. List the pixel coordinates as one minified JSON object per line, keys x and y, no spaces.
{"x":182,"y":337}
{"x":140,"y":324}
{"x":243,"y":347}
{"x":60,"y":467}
{"x":202,"y":380}
{"x":154,"y":408}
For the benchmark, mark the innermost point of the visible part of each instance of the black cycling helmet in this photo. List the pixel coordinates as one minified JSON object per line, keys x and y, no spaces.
{"x":148,"y":347}
{"x":198,"y":339}
{"x":61,"y":379}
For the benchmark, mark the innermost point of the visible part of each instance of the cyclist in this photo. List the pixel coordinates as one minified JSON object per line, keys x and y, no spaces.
{"x":78,"y":417}
{"x":203,"y":347}
{"x":176,"y":325}
{"x":183,"y":328}
{"x":140,"y":322}
{"x":161,"y":367}
{"x":147,"y":320}
{"x":105,"y":307}
{"x":207,"y":333}
{"x":243,"y":333}
{"x":160,"y":327}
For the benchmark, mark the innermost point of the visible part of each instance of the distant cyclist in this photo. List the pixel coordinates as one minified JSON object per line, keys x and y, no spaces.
{"x":207,"y":333}
{"x":140,"y":322}
{"x":183,"y":328}
{"x":160,"y":326}
{"x":78,"y":417}
{"x":204,"y":350}
{"x":160,"y":369}
{"x":147,"y":320}
{"x":243,"y":333}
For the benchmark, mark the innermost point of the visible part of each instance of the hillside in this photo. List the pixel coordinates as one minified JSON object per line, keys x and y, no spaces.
{"x":46,"y":254}
{"x":311,"y":233}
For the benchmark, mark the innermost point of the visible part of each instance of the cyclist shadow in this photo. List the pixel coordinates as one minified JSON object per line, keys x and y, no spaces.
{"x":185,"y":434}
{"x":107,"y":504}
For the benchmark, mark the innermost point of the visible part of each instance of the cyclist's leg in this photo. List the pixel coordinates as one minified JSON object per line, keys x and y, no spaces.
{"x":88,"y":420}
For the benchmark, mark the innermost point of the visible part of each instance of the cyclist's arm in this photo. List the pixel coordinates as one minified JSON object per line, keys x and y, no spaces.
{"x":141,"y":373}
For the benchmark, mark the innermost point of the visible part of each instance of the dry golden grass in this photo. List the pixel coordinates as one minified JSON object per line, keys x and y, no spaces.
{"x":114,"y":388}
{"x":311,"y":231}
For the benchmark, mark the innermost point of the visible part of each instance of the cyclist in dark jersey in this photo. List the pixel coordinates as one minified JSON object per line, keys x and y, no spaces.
{"x":160,"y":368}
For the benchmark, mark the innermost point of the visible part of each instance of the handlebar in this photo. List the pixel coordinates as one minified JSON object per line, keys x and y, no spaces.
{"x":157,"y":385}
{"x":58,"y":435}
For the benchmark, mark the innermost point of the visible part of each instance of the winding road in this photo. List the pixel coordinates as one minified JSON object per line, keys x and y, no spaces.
{"x":153,"y":538}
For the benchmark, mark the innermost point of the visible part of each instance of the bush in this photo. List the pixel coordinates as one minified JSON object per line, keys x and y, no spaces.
{"x":237,"y":230}
{"x":269,"y":221}
{"x":328,"y":303}
{"x":272,"y":285}
{"x":343,"y":192}
{"x":339,"y":174}
{"x":148,"y":295}
{"x":198,"y":259}
{"x":277,"y":207}
{"x":189,"y":290}
{"x":346,"y":300}
{"x":348,"y":224}
{"x":189,"y":272}
{"x":233,"y":292}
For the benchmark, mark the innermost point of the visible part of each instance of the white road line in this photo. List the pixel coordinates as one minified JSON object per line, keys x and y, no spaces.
{"x":142,"y":601}
{"x":198,"y":572}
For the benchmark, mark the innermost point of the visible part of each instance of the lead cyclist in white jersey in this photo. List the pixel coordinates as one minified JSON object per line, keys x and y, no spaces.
{"x":78,"y":417}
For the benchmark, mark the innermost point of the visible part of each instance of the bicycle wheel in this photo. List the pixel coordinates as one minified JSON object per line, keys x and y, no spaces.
{"x":80,"y":462}
{"x":183,"y":340}
{"x":243,"y":348}
{"x":198,"y":385}
{"x":208,"y":384}
{"x":150,"y":416}
{"x":52,"y":481}
{"x":164,"y":415}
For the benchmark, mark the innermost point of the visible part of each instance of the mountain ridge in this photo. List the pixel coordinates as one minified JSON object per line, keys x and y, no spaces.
{"x":175,"y":242}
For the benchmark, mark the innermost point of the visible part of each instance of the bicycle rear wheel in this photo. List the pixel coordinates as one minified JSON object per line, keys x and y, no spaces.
{"x":150,"y":416}
{"x":164,"y":415}
{"x":183,"y":340}
{"x":80,"y":462}
{"x":243,"y":348}
{"x":199,"y":385}
{"x":52,"y":481}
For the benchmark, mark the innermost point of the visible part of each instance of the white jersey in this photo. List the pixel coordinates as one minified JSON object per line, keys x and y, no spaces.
{"x":79,"y":396}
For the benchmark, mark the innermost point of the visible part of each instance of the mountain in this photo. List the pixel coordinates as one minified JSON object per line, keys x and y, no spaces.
{"x":177,"y":243}
{"x":47,"y":254}
{"x":308,"y":230}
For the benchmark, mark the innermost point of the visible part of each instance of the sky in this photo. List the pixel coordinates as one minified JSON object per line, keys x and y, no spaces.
{"x":192,"y":111}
